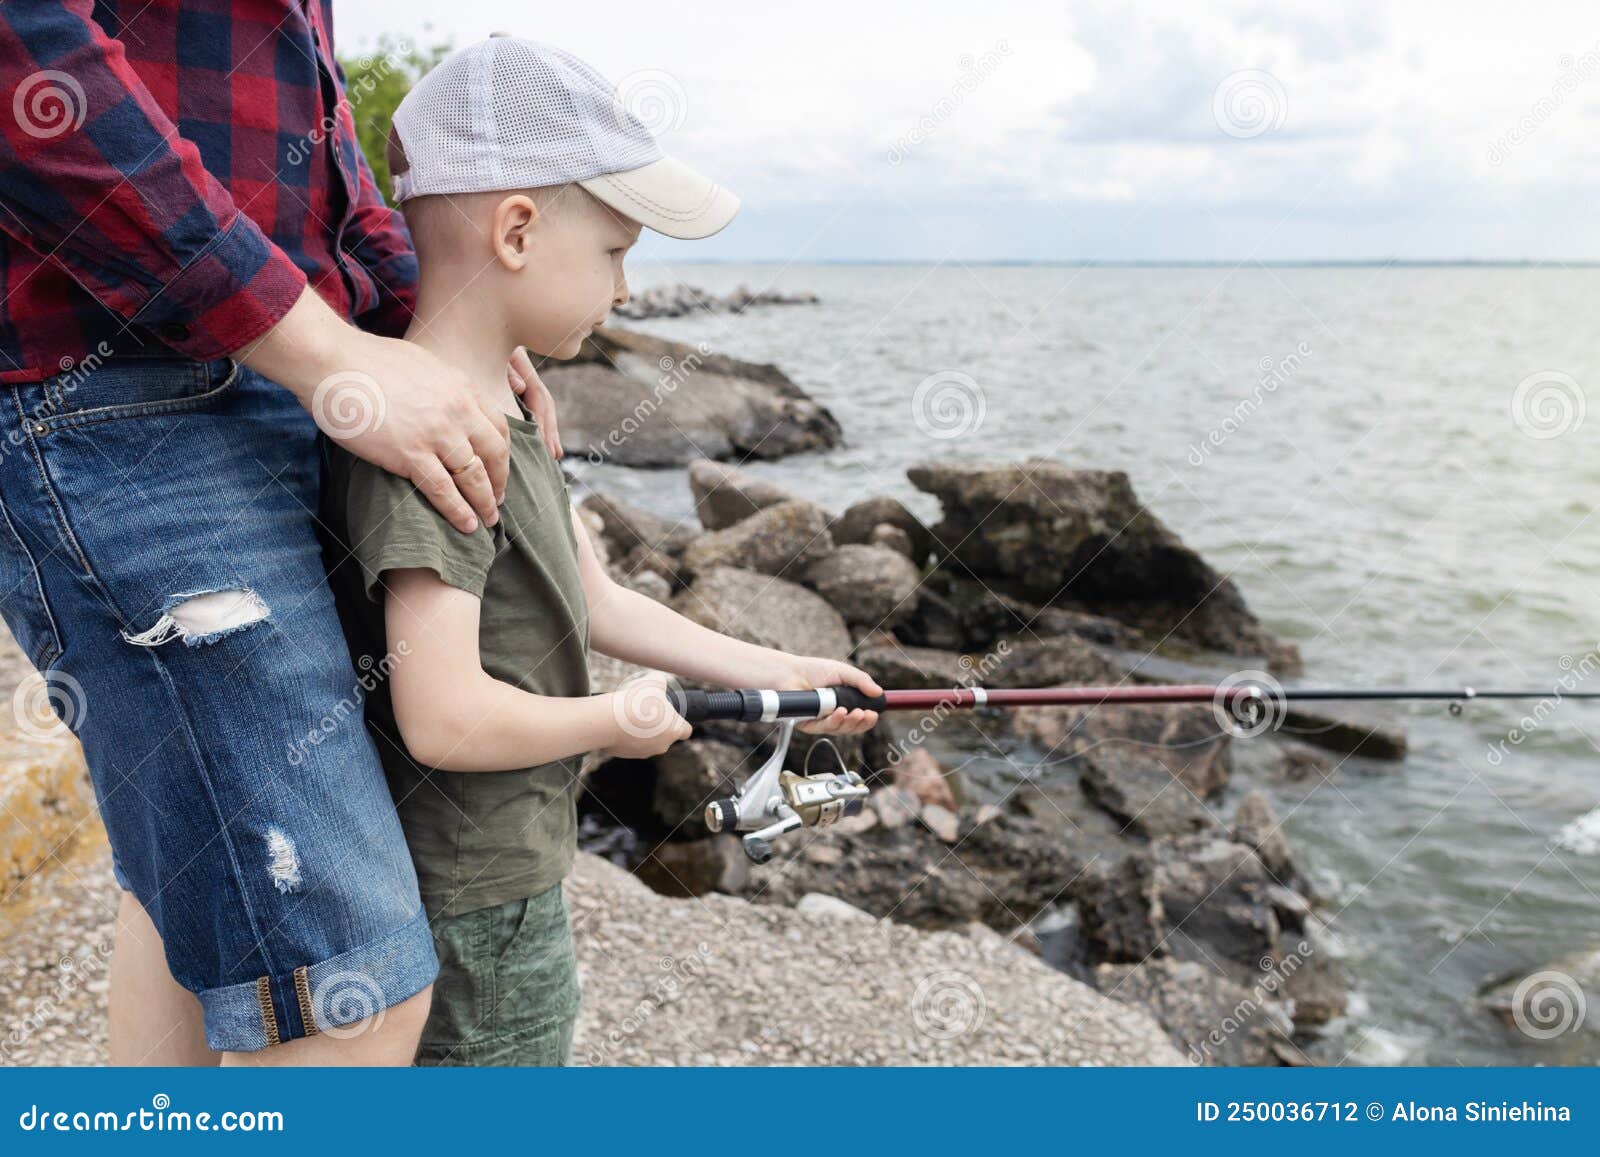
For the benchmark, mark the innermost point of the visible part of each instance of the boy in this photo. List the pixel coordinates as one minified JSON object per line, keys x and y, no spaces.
{"x":524,"y":184}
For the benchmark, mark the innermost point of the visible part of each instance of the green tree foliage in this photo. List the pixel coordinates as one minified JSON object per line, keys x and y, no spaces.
{"x":375,"y":83}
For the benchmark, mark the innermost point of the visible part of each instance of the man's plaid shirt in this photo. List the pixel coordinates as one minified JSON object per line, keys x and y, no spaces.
{"x":173,"y":173}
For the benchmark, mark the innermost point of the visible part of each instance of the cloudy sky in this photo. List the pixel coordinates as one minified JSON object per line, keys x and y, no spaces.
{"x":1112,"y":131}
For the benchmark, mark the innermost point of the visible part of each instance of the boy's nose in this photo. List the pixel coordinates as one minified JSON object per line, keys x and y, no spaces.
{"x":621,"y":296}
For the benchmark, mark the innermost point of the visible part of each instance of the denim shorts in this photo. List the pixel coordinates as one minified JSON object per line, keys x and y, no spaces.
{"x":160,"y":565}
{"x":508,"y":990}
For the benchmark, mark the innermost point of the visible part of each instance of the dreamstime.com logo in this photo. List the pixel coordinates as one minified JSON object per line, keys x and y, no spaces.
{"x":1548,"y":1004}
{"x":948,"y":1004}
{"x":1548,"y":404}
{"x":348,"y":404}
{"x":948,"y":404}
{"x":1249,"y":103}
{"x":347,"y":1004}
{"x":1249,"y":703}
{"x":48,"y":104}
{"x":160,"y":1117}
{"x":49,"y":705}
{"x":652,"y":97}
{"x":640,"y":705}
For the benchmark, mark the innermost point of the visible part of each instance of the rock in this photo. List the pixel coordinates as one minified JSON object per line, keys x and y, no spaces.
{"x":1215,"y":1020}
{"x":892,"y":538}
{"x":1345,"y":729}
{"x":1550,"y":1001}
{"x":818,"y":904}
{"x":626,"y":527}
{"x":644,"y":560}
{"x":1151,"y":767}
{"x":724,"y":494}
{"x":766,"y":611}
{"x":942,"y":822}
{"x":1050,"y":533}
{"x":637,"y":400}
{"x":902,"y":668}
{"x":695,"y":867}
{"x":781,"y":539}
{"x":859,"y":522}
{"x":867,"y":584}
{"x":680,"y":300}
{"x":649,"y":584}
{"x":1059,"y":662}
{"x":1002,"y":873}
{"x":894,"y":806}
{"x":918,"y":772}
{"x":962,"y":614}
{"x":1195,"y":897}
{"x":1256,"y":826}
{"x":691,"y":773}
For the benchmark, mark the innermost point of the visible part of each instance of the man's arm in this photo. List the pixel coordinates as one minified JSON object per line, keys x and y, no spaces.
{"x":455,"y":716}
{"x":636,"y":629}
{"x":94,"y":176}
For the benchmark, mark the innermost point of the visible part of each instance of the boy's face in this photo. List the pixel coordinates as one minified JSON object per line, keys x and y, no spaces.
{"x":571,"y":274}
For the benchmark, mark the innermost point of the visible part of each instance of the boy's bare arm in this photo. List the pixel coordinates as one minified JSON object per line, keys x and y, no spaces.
{"x":455,"y":716}
{"x":637,"y":629}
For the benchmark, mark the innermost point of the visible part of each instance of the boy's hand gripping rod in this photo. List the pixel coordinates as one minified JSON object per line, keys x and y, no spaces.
{"x":773,"y":801}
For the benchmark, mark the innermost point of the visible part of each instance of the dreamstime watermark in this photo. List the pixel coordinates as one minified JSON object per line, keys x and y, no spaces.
{"x":348,"y":404}
{"x":48,"y":104}
{"x":1273,"y":374}
{"x":676,"y":972}
{"x":948,"y":404}
{"x":974,"y":674}
{"x":347,"y":1004}
{"x":1574,"y":673}
{"x":49,"y":704}
{"x":372,"y":673}
{"x":1249,"y":103}
{"x":1249,"y":703}
{"x":1548,"y":404}
{"x":1548,"y":1004}
{"x":73,"y":373}
{"x":653,"y":97}
{"x":640,"y":706}
{"x":674,"y":373}
{"x":948,"y":1004}
{"x":72,"y":974}
{"x":367,"y":78}
{"x":972,"y":71}
{"x":1264,"y":995}
{"x":1571,"y":73}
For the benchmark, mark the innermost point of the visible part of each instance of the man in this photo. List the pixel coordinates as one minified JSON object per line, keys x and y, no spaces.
{"x":189,"y":232}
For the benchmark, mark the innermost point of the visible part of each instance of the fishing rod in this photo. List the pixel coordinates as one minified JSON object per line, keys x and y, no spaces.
{"x":774,"y":801}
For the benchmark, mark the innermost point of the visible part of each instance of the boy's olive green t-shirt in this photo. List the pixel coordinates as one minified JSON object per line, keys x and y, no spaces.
{"x":478,"y":838}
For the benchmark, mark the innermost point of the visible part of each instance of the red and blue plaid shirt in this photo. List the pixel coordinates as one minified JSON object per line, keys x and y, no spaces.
{"x":172,"y":175}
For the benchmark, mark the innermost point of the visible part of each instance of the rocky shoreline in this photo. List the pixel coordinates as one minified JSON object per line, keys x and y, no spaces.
{"x":1144,"y":886}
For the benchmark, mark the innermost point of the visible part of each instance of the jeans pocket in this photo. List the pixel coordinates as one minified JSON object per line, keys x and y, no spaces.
{"x":134,"y":388}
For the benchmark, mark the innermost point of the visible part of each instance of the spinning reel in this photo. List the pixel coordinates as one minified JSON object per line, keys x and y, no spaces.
{"x":774,"y":801}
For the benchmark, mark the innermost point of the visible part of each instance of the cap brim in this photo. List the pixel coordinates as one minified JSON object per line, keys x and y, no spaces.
{"x":667,"y":196}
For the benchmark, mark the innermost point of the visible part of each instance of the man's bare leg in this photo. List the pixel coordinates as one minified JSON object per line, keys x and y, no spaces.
{"x":388,"y":1038}
{"x":154,"y":1019}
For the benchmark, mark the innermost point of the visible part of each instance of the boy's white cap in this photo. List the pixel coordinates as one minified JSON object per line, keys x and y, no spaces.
{"x":508,"y":113}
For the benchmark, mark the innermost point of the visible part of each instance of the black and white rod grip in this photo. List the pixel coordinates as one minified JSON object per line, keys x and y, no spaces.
{"x":765,"y":706}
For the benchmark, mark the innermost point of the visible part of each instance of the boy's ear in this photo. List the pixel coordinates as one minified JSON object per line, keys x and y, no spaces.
{"x":512,"y":228}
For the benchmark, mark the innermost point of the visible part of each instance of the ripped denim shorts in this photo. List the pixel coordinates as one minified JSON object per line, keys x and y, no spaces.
{"x":160,"y":565}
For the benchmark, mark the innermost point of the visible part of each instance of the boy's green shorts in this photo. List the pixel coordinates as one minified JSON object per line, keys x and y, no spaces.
{"x":508,"y":990}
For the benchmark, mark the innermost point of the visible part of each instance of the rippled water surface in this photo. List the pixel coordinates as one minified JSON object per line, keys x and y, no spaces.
{"x":1385,"y":503}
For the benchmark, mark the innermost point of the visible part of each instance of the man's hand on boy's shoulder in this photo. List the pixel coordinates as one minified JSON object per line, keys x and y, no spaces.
{"x":809,"y":673}
{"x":528,"y":385}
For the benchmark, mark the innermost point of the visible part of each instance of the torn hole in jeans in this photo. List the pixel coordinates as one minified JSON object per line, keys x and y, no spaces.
{"x":202,"y":617}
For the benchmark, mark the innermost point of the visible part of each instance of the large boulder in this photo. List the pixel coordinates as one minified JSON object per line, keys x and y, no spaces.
{"x":781,"y":539}
{"x":1052,"y":534}
{"x":626,"y":528}
{"x":766,"y":611}
{"x":636,"y":400}
{"x":867,"y":584}
{"x":860,"y":522}
{"x":724,"y":494}
{"x":1214,"y":1019}
{"x":1152,"y":767}
{"x":965,"y":615}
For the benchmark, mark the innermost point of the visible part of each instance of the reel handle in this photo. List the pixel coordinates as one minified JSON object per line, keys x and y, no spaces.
{"x":754,"y":706}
